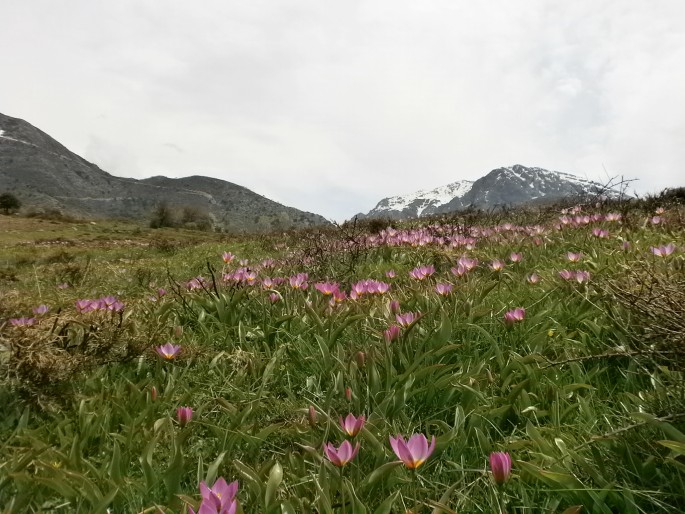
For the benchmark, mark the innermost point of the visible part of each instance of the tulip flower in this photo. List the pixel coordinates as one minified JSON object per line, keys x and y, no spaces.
{"x":22,"y":322}
{"x":533,"y":278}
{"x":184,"y":415}
{"x":40,"y":310}
{"x":500,"y":465}
{"x":299,"y":281}
{"x":663,"y":251}
{"x":443,"y":289}
{"x":497,"y":265}
{"x":168,"y":351}
{"x":391,"y":333}
{"x":218,"y":499}
{"x":515,"y":257}
{"x":312,"y":416}
{"x":342,"y":455}
{"x":407,"y":318}
{"x":414,"y":452}
{"x":352,"y":425}
{"x":513,"y":316}
{"x":566,"y":274}
{"x":326,"y":288}
{"x":467,"y":263}
{"x":422,"y":272}
{"x":582,"y":276}
{"x":574,"y":256}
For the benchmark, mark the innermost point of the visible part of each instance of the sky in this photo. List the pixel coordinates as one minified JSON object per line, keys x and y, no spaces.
{"x":330,"y":106}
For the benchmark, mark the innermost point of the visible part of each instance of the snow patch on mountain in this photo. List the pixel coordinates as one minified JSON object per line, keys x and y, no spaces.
{"x":425,"y":198}
{"x":2,"y":132}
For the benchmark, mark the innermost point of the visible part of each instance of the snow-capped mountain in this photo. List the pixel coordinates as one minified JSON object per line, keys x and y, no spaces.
{"x":507,"y":186}
{"x":419,"y":203}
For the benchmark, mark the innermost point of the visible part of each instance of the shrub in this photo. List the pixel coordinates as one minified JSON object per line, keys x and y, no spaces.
{"x":9,"y":203}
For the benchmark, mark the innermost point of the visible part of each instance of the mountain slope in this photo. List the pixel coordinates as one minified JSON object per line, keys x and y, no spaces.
{"x":419,"y":203}
{"x":508,"y":186}
{"x":45,"y":174}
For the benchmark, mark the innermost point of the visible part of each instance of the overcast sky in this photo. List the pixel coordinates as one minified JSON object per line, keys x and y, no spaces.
{"x":329,"y":106}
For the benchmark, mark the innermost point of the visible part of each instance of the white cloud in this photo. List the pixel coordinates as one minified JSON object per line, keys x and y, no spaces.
{"x":330,"y":107}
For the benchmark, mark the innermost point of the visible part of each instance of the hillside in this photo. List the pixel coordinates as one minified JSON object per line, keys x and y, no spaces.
{"x":44,"y":174}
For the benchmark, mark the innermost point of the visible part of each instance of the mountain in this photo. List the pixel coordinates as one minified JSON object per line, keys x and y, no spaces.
{"x":45,"y":175}
{"x":510,"y":186}
{"x":419,"y":203}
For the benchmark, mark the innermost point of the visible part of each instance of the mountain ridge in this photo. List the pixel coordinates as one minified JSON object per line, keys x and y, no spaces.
{"x":46,"y":175}
{"x":506,"y":186}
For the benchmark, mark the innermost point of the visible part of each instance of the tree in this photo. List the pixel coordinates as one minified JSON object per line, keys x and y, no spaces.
{"x":9,"y":203}
{"x":163,"y":216}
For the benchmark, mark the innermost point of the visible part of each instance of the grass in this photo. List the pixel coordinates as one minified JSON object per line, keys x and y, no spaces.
{"x":585,"y":393}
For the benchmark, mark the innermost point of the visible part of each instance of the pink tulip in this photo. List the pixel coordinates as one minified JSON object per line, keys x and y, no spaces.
{"x":467,"y":263}
{"x":312,"y":416}
{"x":413,"y":452}
{"x":574,"y":256}
{"x":351,"y":425}
{"x":407,"y":318}
{"x":168,"y":351}
{"x":184,"y":415}
{"x":663,"y":251}
{"x":22,"y":322}
{"x":228,"y":257}
{"x":342,"y":455}
{"x":299,"y":281}
{"x":566,"y":274}
{"x":443,"y":289}
{"x":500,"y":465}
{"x":515,"y":257}
{"x":497,"y":265}
{"x":514,"y":316}
{"x":391,"y":333}
{"x":533,"y":278}
{"x":582,"y":276}
{"x":40,"y":310}
{"x":422,"y":272}
{"x":326,"y":288}
{"x":220,"y":498}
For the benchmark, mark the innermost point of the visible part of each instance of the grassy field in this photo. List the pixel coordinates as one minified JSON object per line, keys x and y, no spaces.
{"x":139,"y":364}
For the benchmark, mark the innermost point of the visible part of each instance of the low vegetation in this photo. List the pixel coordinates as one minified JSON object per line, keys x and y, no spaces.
{"x":525,"y":361}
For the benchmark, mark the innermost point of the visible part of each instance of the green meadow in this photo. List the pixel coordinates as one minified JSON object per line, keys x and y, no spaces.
{"x":138,"y":363}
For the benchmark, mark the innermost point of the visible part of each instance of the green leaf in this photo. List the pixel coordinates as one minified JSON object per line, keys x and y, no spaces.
{"x":357,"y":506}
{"x":114,"y":468}
{"x":101,"y":508}
{"x":379,"y":473}
{"x":213,"y":469}
{"x":676,"y":446}
{"x":275,"y":479}
{"x":386,"y":506}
